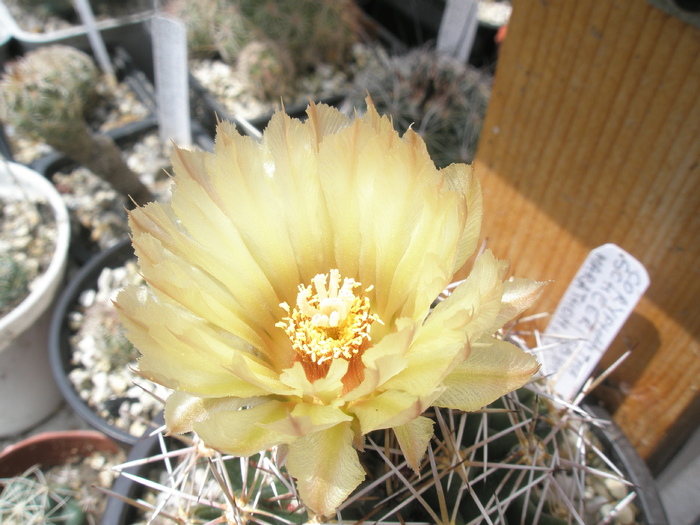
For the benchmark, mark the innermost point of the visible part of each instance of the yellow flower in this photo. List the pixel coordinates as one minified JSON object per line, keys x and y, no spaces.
{"x":289,"y":291}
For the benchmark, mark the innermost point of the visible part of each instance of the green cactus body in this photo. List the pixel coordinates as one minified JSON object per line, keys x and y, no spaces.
{"x":14,"y":283}
{"x":49,"y":90}
{"x":266,"y":67}
{"x":286,"y":37}
{"x":47,"y":95}
{"x":214,"y":27}
{"x":312,"y":30}
{"x":437,"y":96}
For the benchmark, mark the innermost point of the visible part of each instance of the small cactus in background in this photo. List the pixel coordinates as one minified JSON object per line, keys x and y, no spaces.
{"x":267,"y":67}
{"x":62,"y":8}
{"x":437,"y":96}
{"x":290,"y":37}
{"x":14,"y":283}
{"x":47,"y":95}
{"x":312,"y":30}
{"x":214,"y":27}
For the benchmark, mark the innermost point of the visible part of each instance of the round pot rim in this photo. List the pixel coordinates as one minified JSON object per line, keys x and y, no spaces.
{"x":18,"y":180}
{"x":52,"y":448}
{"x":89,"y":272}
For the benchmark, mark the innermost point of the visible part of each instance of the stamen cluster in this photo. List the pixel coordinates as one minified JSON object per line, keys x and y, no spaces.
{"x":330,"y":323}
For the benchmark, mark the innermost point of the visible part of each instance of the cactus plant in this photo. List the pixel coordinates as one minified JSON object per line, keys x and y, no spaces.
{"x":312,"y":30}
{"x":436,"y":95}
{"x":527,"y":458}
{"x":267,"y":67}
{"x":287,"y":38}
{"x":62,"y":8}
{"x":14,"y":282}
{"x":47,"y":95}
{"x":29,"y":498}
{"x":518,"y":461}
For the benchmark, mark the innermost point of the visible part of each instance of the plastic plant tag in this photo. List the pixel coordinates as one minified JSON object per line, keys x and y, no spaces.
{"x":94,"y":37}
{"x":458,"y":28}
{"x":597,"y":303}
{"x":171,"y":76}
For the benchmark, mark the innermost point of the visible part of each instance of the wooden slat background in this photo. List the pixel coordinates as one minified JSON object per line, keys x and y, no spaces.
{"x":593,"y":136}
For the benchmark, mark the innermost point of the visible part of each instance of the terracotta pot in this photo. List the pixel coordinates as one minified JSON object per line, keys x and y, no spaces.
{"x":50,"y":449}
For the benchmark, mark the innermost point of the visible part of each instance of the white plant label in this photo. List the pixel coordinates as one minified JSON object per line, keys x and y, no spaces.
{"x":597,"y":303}
{"x":171,"y":77}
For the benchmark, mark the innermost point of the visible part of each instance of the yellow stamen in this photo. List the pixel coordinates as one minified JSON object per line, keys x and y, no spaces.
{"x":332,"y":322}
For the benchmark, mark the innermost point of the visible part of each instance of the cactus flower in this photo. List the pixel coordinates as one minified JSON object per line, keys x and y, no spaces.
{"x":289,"y":292}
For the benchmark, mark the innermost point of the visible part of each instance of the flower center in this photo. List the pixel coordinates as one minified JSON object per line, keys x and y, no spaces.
{"x":331,"y":322}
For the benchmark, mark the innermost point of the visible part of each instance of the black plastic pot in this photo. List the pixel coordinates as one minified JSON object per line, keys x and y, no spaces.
{"x":417,"y":22}
{"x":60,"y":350}
{"x":118,"y":512}
{"x":208,"y":111}
{"x":623,"y":454}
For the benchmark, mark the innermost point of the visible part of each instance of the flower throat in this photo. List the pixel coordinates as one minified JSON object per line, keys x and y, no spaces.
{"x":331,"y":322}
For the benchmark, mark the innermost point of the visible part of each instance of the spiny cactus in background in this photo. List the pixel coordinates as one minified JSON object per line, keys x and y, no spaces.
{"x":214,"y":27}
{"x":311,"y":30}
{"x":29,"y":498}
{"x":62,"y":8}
{"x":267,"y":67}
{"x":436,"y":95}
{"x":290,"y":37}
{"x":14,"y":283}
{"x":47,"y":95}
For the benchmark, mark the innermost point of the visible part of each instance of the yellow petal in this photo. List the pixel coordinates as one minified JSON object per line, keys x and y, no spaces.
{"x":306,"y":419}
{"x":325,"y":120}
{"x":327,"y":468}
{"x":324,"y":390}
{"x":219,"y":282}
{"x":384,"y":360}
{"x":442,"y":343}
{"x":179,"y":350}
{"x":242,"y":432}
{"x":387,"y":409}
{"x":493,"y":369}
{"x":461,"y":178}
{"x":518,"y":296}
{"x":407,"y":222}
{"x":182,"y":410}
{"x":257,"y":372}
{"x":413,"y":438}
{"x":475,"y":304}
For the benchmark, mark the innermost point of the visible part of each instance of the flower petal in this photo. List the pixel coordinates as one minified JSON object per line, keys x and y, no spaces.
{"x":384,"y":360}
{"x":181,"y":351}
{"x":182,"y":410}
{"x":327,"y":468}
{"x":306,"y":419}
{"x":493,"y":369}
{"x":217,"y":281}
{"x":442,"y":342}
{"x":387,"y":409}
{"x":323,"y":390}
{"x":475,"y":304}
{"x":407,"y":220}
{"x":518,"y":296}
{"x":413,"y":438}
{"x":242,"y":432}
